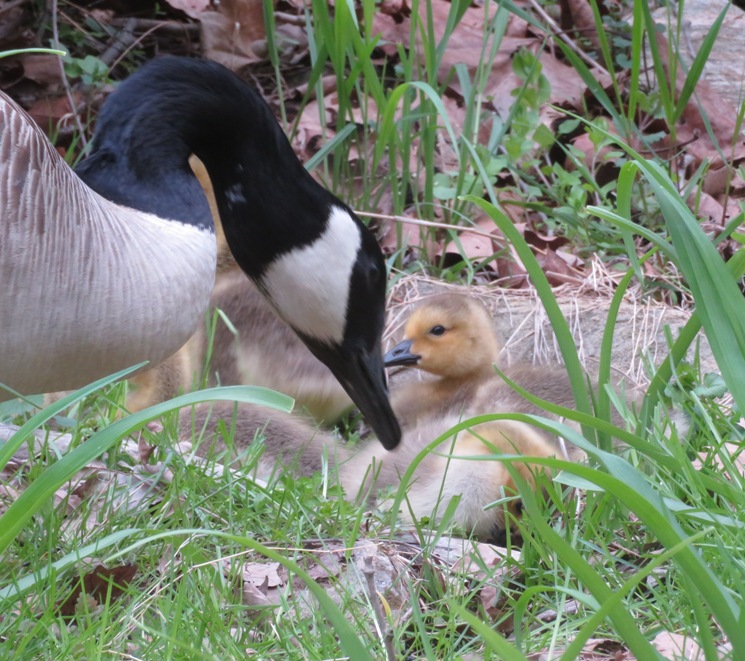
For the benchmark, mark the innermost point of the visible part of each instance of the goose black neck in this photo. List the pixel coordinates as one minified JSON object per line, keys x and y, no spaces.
{"x":174,"y":107}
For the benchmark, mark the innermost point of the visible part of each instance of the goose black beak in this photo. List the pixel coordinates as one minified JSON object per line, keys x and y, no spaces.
{"x":362,"y":375}
{"x":401,"y":355}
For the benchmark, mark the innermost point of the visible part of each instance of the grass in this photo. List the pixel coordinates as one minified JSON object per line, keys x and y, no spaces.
{"x":631,"y":545}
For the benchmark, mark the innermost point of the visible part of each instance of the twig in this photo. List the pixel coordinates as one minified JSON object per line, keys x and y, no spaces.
{"x":136,"y":41}
{"x":65,"y":82}
{"x":119,"y":44}
{"x":428,"y":223}
{"x":558,"y":32}
{"x":145,"y":24}
{"x":385,"y":631}
{"x":7,"y":6}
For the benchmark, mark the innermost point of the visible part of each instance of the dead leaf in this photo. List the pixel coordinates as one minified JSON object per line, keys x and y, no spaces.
{"x":232,"y":32}
{"x":484,"y":241}
{"x":543,"y":241}
{"x":96,"y":585}
{"x":262,"y":573}
{"x":577,"y":15}
{"x":258,"y":595}
{"x":52,"y":113}
{"x":413,"y":237}
{"x":45,"y":70}
{"x":707,"y":208}
{"x":557,"y":270}
{"x":398,"y":10}
{"x":676,"y":646}
{"x":327,"y":566}
{"x":719,"y":181}
{"x":593,"y":650}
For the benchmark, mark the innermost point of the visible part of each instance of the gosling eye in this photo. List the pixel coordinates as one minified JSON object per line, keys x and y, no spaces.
{"x":437,"y":330}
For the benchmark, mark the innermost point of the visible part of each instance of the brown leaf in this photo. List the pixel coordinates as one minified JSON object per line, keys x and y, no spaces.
{"x":144,"y":449}
{"x":412,"y":236}
{"x":484,"y":241}
{"x":556,"y":269}
{"x":676,"y":646}
{"x":53,"y":112}
{"x":258,"y":595}
{"x":262,"y":574}
{"x":398,"y":10}
{"x":709,"y":209}
{"x":577,"y":15}
{"x":719,"y":181}
{"x":233,"y":34}
{"x":327,"y":566}
{"x":96,"y":584}
{"x":45,"y":70}
{"x":593,"y":650}
{"x":542,"y":241}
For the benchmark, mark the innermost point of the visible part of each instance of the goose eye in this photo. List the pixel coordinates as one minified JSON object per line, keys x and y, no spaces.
{"x":437,"y":330}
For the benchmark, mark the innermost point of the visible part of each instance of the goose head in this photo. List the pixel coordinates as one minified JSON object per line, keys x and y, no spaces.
{"x":309,"y":254}
{"x":451,"y":336}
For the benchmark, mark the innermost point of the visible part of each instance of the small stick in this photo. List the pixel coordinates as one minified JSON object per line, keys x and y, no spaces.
{"x":385,"y":630}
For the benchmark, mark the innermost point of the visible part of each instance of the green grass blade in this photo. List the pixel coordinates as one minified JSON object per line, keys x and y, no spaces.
{"x":543,"y":288}
{"x":697,"y":66}
{"x":493,"y":641}
{"x":40,"y":490}
{"x":349,"y":640}
{"x":719,"y":302}
{"x":632,"y":488}
{"x":47,"y":413}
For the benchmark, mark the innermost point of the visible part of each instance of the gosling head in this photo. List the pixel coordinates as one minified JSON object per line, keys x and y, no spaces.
{"x":451,"y":336}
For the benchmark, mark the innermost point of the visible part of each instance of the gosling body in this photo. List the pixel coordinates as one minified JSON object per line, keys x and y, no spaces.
{"x":465,"y":465}
{"x":291,"y":441}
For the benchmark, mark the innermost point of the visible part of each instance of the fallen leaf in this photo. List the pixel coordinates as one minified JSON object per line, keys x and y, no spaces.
{"x":676,"y":646}
{"x":45,"y":70}
{"x":233,"y":33}
{"x":96,"y":584}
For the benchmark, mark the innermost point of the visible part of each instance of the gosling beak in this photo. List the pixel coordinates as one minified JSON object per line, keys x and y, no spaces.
{"x":401,"y":355}
{"x":361,"y":374}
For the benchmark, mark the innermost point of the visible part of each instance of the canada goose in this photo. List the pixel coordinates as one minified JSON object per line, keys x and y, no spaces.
{"x":115,"y":265}
{"x":463,"y":466}
{"x":452,"y":337}
{"x":265,"y":352}
{"x":225,"y":261}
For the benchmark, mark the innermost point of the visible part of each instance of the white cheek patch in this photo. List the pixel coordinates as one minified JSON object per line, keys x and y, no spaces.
{"x":309,"y":286}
